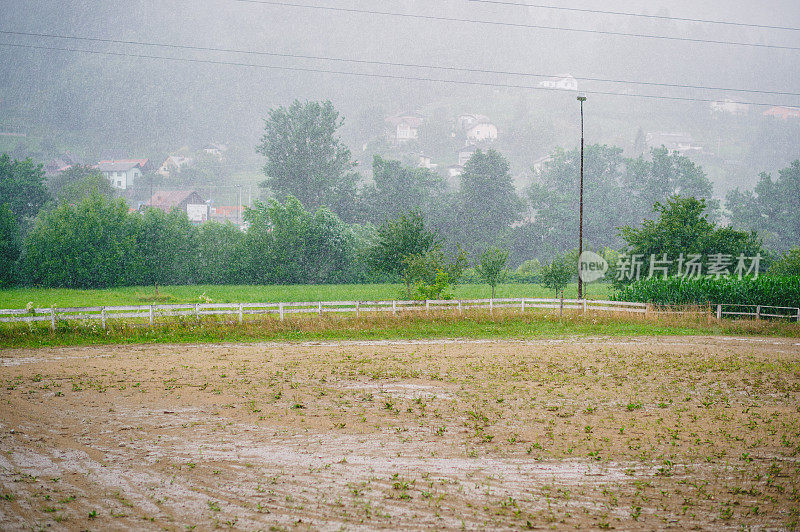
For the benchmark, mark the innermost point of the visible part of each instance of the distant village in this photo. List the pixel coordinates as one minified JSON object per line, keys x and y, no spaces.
{"x":478,"y":130}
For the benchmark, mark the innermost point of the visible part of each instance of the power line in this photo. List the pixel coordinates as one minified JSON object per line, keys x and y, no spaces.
{"x":513,"y":24}
{"x":383,"y":63}
{"x":369,"y":75}
{"x":640,"y":15}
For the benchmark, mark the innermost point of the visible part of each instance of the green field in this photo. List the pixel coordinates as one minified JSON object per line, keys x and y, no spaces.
{"x":47,"y":297}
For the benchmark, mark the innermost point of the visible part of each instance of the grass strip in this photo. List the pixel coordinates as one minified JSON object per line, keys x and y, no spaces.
{"x":505,"y":324}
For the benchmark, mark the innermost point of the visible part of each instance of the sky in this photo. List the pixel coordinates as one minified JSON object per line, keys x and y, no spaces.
{"x":135,"y":92}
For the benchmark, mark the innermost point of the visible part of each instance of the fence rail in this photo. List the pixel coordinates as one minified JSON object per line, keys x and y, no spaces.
{"x":151,"y":313}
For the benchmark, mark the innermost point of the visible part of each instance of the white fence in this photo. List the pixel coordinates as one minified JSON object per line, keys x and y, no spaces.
{"x":151,"y":313}
{"x":757,"y":311}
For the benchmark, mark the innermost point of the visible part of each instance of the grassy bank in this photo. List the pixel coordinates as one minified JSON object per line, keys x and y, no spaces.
{"x":139,"y":295}
{"x":477,"y":324}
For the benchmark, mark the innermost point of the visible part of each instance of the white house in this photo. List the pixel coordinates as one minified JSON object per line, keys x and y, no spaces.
{"x":425,"y":161}
{"x":465,"y":153}
{"x":188,"y":201}
{"x":564,"y":82}
{"x":540,"y":164}
{"x":174,"y":163}
{"x":466,"y":121}
{"x":455,"y":170}
{"x":218,"y":150}
{"x":122,"y":173}
{"x":680,"y":142}
{"x":404,"y":127}
{"x":482,"y":131}
{"x":730,"y":107}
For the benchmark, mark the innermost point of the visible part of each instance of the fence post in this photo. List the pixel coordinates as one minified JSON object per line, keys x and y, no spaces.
{"x":798,"y":315}
{"x":103,"y":316}
{"x":523,"y":305}
{"x":151,"y":315}
{"x":427,"y":307}
{"x":197,"y":310}
{"x":241,"y":312}
{"x":491,"y":306}
{"x":53,"y":318}
{"x":280,"y":309}
{"x":394,"y":308}
{"x":758,"y":312}
{"x":719,"y":311}
{"x":358,"y":309}
{"x":461,"y":309}
{"x":319,"y":308}
{"x":561,"y":307}
{"x":584,"y":306}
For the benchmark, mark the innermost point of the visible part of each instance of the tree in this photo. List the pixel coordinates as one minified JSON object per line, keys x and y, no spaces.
{"x":89,"y":245}
{"x":164,"y":249}
{"x":76,"y":183}
{"x":488,"y":202}
{"x":554,"y":199}
{"x":432,"y":273}
{"x":772,"y":209}
{"x":305,"y":157}
{"x":399,"y":188}
{"x":617,"y":192}
{"x":290,"y":245}
{"x":221,"y":254}
{"x":436,"y":134}
{"x":788,"y":264}
{"x":22,"y":187}
{"x":558,"y":273}
{"x":399,"y":239}
{"x":10,"y":246}
{"x":666,"y":174}
{"x":491,"y":266}
{"x":206,"y":169}
{"x":683,"y":229}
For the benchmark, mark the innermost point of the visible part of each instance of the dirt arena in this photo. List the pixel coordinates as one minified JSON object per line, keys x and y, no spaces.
{"x":644,"y":433}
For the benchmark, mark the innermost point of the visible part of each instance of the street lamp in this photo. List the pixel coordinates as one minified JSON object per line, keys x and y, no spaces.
{"x":581,"y":98}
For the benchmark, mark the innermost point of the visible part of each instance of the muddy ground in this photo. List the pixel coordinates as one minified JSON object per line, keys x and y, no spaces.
{"x":681,"y":433}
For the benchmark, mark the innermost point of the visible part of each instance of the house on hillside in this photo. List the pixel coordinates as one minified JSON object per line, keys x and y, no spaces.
{"x":188,"y":201}
{"x":404,"y":127}
{"x":541,"y":164}
{"x":466,"y":120}
{"x":455,"y":170}
{"x":784,"y":113}
{"x":482,"y":131}
{"x":228,"y":213}
{"x":217,"y":150}
{"x":425,"y":161}
{"x":173,"y":163}
{"x":730,"y":107}
{"x":122,"y":173}
{"x":60,"y":164}
{"x":564,"y":82}
{"x":465,"y":153}
{"x":56,"y":166}
{"x":478,"y":128}
{"x":679,"y":142}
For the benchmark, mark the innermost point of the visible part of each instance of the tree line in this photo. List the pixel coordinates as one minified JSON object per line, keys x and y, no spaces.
{"x":306,"y":159}
{"x":323,"y":225}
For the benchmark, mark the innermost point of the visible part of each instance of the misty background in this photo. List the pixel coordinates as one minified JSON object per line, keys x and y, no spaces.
{"x":98,"y":106}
